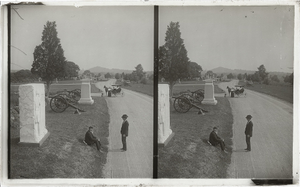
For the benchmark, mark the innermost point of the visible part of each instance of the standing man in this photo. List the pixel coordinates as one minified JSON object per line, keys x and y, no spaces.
{"x":124,"y":131}
{"x":248,"y":132}
{"x":90,"y":139}
{"x":214,"y":139}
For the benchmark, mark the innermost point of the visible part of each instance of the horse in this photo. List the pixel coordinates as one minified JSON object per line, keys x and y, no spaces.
{"x":106,"y":89}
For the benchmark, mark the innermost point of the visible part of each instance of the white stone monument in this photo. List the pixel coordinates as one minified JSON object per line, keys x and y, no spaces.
{"x":32,"y":114}
{"x":164,"y":132}
{"x":86,"y":92}
{"x":209,"y":93}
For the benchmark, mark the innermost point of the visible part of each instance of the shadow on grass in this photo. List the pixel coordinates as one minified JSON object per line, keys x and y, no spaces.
{"x":188,"y":154}
{"x":63,"y":154}
{"x":114,"y":150}
{"x":239,"y":150}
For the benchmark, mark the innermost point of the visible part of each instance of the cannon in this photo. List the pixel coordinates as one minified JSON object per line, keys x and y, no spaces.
{"x":62,"y":100}
{"x":185,"y":102}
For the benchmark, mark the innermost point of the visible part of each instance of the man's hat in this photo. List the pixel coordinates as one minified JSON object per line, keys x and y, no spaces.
{"x":215,"y":128}
{"x":248,"y":116}
{"x":124,"y":116}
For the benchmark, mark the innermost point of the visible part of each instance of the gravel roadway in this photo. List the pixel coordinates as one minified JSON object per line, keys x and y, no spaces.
{"x":272,"y":140}
{"x":137,"y":161}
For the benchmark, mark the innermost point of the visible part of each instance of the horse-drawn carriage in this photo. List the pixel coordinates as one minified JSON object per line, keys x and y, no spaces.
{"x":114,"y":90}
{"x":238,"y":90}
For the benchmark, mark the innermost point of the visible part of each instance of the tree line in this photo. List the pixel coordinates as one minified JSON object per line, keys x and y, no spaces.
{"x":138,"y":75}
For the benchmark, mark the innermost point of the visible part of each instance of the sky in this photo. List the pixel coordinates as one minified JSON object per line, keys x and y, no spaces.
{"x":110,"y":37}
{"x":234,"y":37}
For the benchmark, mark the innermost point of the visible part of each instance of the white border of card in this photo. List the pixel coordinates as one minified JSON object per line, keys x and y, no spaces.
{"x":144,"y":182}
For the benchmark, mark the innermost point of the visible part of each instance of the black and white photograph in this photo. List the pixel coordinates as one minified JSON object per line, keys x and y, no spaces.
{"x":150,"y":93}
{"x":81,"y":92}
{"x":228,"y":71}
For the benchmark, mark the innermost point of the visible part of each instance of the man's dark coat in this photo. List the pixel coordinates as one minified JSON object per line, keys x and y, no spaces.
{"x":249,"y":128}
{"x":90,"y":138}
{"x":124,"y":128}
{"x":214,"y":139}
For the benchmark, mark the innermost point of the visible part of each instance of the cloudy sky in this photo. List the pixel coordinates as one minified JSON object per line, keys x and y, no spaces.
{"x":240,"y":37}
{"x":110,"y":37}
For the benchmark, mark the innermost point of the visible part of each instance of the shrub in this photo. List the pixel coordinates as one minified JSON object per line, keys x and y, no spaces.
{"x":266,"y":81}
{"x":144,"y":81}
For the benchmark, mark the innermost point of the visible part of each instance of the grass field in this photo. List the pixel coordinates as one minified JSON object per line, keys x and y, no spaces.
{"x":141,"y":88}
{"x":188,"y":155}
{"x":284,"y":92}
{"x":63,"y":155}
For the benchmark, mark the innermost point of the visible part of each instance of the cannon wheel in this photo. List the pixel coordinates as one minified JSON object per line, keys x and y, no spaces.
{"x":199,"y":96}
{"x":58,"y":104}
{"x":182,"y":104}
{"x":75,"y":95}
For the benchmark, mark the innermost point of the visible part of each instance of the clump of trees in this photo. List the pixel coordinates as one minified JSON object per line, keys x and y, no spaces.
{"x":71,"y":70}
{"x":289,"y":78}
{"x":23,"y":76}
{"x":210,"y":74}
{"x":260,"y":76}
{"x":138,"y":75}
{"x":194,"y":70}
{"x":263,"y":77}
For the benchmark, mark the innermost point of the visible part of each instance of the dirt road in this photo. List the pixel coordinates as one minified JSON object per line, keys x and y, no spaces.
{"x":137,"y":161}
{"x":272,"y":140}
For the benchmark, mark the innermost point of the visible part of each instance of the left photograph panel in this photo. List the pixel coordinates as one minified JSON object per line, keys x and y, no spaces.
{"x":81,"y":92}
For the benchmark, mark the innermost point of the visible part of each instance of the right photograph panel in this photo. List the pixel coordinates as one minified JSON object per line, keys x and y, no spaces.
{"x":225,"y":92}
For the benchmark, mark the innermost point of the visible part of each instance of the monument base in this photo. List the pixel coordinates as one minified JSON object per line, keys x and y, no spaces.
{"x":87,"y":101}
{"x":162,"y":144}
{"x":35,"y":144}
{"x":209,"y":101}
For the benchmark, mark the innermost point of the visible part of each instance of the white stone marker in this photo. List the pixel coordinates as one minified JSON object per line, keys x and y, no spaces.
{"x":209,"y":93}
{"x":164,"y":132}
{"x":32,"y":114}
{"x":86,"y":92}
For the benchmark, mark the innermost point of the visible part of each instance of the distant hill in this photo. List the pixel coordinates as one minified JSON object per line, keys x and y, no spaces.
{"x":99,"y":69}
{"x":220,"y":70}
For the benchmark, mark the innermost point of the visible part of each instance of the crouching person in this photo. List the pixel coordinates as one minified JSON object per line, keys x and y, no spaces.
{"x":214,"y":139}
{"x":90,"y":139}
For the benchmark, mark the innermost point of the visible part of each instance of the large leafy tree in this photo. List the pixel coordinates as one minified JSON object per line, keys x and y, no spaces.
{"x":88,"y":73}
{"x":139,"y":71}
{"x":262,"y":72}
{"x":230,"y":76}
{"x":210,"y":74}
{"x":194,"y":70}
{"x":71,"y":69}
{"x":275,"y":78}
{"x":107,"y":75}
{"x":117,"y":76}
{"x":173,"y":60}
{"x":48,"y":57}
